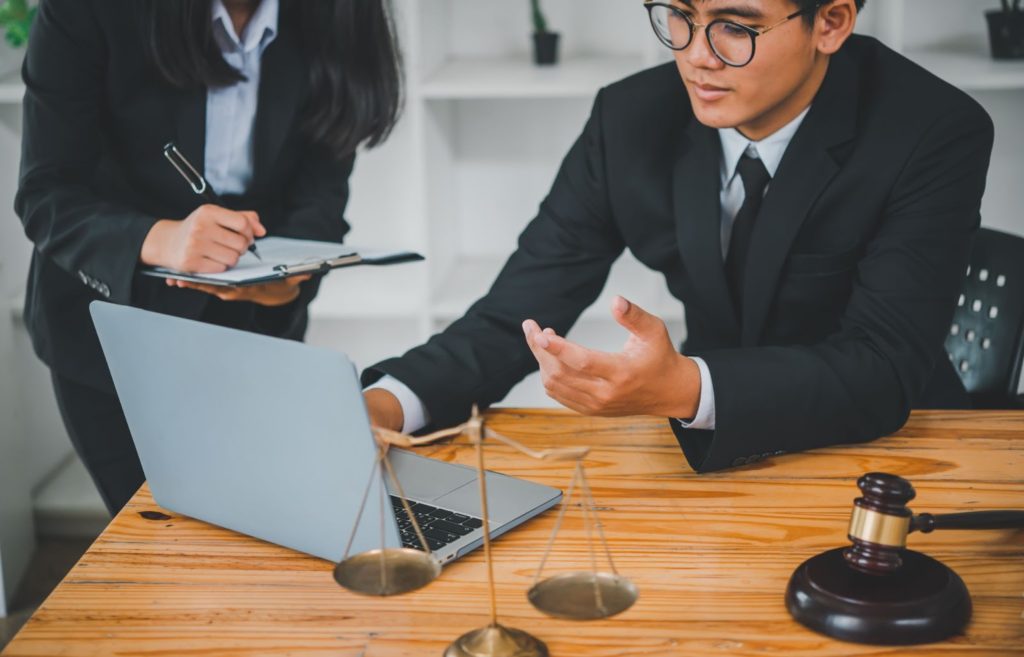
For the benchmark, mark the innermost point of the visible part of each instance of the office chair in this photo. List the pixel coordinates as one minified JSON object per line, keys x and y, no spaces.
{"x":986,"y":340}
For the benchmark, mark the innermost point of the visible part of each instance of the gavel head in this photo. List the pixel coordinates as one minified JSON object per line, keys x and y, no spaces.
{"x":879,"y":524}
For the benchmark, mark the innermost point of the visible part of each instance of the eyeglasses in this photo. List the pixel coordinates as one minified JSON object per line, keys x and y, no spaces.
{"x":733,"y":43}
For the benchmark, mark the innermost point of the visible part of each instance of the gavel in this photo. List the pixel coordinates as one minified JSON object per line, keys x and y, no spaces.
{"x":877,"y":591}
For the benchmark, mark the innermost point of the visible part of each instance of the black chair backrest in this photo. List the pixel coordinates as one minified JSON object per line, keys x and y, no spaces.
{"x":986,"y":341}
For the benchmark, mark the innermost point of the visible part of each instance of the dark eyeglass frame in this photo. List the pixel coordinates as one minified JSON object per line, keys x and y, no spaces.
{"x":753,"y":32}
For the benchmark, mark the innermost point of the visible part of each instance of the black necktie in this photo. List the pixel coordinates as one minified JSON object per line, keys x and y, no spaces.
{"x":755,"y":178}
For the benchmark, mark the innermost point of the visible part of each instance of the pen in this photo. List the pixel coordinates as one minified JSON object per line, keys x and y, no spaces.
{"x":196,"y":181}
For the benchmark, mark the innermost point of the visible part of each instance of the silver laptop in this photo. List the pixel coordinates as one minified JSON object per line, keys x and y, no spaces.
{"x":270,"y":438}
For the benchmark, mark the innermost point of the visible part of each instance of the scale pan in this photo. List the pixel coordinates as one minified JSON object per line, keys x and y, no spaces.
{"x":404,"y":570}
{"x":583,"y":595}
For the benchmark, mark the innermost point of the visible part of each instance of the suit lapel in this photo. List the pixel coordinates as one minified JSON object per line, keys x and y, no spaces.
{"x":695,"y":188}
{"x":806,"y":169}
{"x":189,"y":120}
{"x":282,"y":78}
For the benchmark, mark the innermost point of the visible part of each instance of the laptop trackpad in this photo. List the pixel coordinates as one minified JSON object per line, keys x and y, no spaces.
{"x":427,"y":479}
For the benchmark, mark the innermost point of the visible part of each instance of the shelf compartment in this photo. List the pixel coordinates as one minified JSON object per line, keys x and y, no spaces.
{"x":393,"y":292}
{"x":366,"y":341}
{"x":518,"y":77}
{"x":12,"y":89}
{"x":970,"y":67}
{"x":470,"y":277}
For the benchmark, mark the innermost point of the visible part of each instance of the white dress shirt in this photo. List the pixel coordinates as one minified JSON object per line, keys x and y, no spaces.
{"x":770,"y":150}
{"x":231,"y":110}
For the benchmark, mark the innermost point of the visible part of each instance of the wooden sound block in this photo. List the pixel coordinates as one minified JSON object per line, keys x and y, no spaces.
{"x":923,"y":601}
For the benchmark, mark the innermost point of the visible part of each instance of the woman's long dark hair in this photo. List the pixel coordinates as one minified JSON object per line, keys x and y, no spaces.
{"x":350,"y":45}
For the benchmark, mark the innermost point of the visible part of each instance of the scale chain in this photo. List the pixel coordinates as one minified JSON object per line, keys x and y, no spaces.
{"x":588,"y":520}
{"x":482,"y":476}
{"x":383,"y":509}
{"x":597,"y":519}
{"x":405,"y":502}
{"x":558,"y":524}
{"x":362,"y":506}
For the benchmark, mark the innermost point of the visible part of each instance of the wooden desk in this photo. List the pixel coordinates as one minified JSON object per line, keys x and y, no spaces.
{"x":711,"y":555}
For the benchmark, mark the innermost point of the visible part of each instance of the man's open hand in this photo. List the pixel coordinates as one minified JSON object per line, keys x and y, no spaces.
{"x":648,"y":377}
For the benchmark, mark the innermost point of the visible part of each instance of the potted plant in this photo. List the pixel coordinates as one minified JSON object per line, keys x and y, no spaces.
{"x":1006,"y":30}
{"x":545,"y":42}
{"x":16,"y":19}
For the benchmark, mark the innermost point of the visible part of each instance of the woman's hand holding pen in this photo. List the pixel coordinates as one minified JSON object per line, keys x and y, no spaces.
{"x":208,"y":241}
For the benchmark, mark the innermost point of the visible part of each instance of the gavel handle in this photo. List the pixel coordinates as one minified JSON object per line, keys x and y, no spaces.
{"x":926,"y":522}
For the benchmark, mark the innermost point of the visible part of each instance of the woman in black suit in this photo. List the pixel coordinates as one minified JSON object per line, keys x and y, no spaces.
{"x":270,"y":98}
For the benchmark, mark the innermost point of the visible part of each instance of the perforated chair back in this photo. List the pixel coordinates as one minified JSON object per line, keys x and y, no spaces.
{"x":986,"y":340}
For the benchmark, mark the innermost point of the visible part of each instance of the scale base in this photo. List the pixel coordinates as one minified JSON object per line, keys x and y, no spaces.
{"x":922,"y":602}
{"x":497,"y":641}
{"x":583,"y":595}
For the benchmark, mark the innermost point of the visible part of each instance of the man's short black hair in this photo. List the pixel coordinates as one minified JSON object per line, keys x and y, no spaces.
{"x":809,"y":5}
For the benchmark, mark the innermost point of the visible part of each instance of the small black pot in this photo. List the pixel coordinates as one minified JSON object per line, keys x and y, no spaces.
{"x":1006,"y":34}
{"x":545,"y":48}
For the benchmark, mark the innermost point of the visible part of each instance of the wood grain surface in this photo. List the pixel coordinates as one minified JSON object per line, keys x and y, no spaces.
{"x":711,"y":555}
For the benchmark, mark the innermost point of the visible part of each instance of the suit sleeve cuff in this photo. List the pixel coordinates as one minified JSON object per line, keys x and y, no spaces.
{"x":705,"y":417}
{"x":414,"y":412}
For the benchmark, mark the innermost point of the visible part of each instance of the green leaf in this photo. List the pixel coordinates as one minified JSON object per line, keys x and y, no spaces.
{"x":16,"y":19}
{"x":540,"y":23}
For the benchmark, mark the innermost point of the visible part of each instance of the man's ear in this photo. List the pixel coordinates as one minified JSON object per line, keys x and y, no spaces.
{"x":833,"y":25}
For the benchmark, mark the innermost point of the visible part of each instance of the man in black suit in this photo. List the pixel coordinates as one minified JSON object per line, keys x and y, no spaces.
{"x":811,"y":201}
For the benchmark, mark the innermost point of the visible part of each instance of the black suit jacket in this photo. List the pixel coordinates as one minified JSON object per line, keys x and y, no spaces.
{"x":856,"y":261}
{"x":93,"y":178}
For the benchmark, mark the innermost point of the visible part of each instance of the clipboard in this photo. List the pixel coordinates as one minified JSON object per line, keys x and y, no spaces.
{"x":285,"y":257}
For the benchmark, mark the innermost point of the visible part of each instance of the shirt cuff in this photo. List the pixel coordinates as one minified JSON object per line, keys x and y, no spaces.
{"x":414,"y":413}
{"x":705,"y":417}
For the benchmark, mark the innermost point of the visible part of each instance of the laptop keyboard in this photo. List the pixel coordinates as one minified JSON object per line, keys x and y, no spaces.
{"x":440,"y":526}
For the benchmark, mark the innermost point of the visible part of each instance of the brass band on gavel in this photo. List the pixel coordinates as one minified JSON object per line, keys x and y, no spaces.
{"x":879,"y":528}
